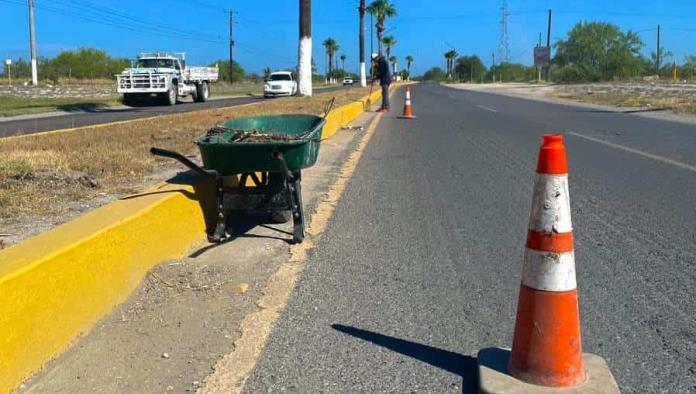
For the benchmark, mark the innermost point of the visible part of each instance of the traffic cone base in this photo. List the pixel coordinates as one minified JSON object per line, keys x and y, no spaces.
{"x":546,"y":350}
{"x":494,"y":378}
{"x":544,"y":317}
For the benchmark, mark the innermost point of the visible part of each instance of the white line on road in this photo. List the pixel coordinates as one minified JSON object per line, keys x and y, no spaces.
{"x":637,"y":152}
{"x":487,"y":108}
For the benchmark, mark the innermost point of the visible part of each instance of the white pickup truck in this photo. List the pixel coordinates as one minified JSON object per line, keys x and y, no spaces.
{"x":165,"y":75}
{"x":280,"y":83}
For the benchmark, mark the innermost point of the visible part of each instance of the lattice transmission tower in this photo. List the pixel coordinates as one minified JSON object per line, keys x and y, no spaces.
{"x":504,"y":43}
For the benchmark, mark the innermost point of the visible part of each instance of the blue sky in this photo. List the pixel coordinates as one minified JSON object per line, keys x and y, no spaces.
{"x":266,"y":31}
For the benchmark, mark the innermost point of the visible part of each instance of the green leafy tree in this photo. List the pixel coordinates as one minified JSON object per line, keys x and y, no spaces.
{"x":665,"y":65}
{"x":381,"y":9}
{"x":81,"y":64}
{"x":20,"y":69}
{"x":469,"y":68}
{"x":238,"y":72}
{"x":512,"y":72}
{"x":267,"y":73}
{"x":435,"y":74}
{"x":688,"y":69}
{"x":599,"y":51}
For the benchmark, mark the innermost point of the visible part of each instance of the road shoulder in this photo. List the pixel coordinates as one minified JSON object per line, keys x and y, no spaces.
{"x":539,"y":93}
{"x":186,"y":313}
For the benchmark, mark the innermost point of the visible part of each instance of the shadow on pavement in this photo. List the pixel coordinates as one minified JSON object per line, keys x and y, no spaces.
{"x":83,"y":107}
{"x":628,"y":111}
{"x":464,"y":366}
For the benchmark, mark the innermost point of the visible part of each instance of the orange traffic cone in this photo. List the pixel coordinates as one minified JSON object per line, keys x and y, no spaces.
{"x":546,"y":348}
{"x":408,"y":108}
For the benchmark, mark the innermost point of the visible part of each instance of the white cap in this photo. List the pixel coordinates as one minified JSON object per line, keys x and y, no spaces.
{"x":374,"y":56}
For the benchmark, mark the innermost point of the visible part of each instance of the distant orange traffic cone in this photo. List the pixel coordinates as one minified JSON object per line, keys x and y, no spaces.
{"x":546,"y":348}
{"x":408,"y":108}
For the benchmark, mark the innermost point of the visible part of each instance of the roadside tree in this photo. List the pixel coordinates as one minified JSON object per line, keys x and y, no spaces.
{"x":599,"y":51}
{"x":381,"y":9}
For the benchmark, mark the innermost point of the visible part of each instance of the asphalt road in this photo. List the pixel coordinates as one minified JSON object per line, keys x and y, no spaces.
{"x":108,"y":115}
{"x":420,"y":265}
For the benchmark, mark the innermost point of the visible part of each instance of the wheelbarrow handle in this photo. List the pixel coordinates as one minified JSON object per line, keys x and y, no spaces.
{"x":183,"y":160}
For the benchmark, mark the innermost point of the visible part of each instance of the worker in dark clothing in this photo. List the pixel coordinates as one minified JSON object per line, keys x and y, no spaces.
{"x":381,"y":72}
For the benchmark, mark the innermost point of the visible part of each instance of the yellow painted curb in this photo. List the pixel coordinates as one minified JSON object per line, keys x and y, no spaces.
{"x":55,"y":286}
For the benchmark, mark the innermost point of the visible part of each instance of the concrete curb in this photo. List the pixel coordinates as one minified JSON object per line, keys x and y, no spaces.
{"x":55,"y":286}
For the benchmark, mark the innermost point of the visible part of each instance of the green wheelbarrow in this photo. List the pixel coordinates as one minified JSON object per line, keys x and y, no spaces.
{"x":276,"y":146}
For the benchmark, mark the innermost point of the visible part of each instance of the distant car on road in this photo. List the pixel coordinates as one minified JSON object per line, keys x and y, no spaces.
{"x":348,"y":81}
{"x":280,"y":83}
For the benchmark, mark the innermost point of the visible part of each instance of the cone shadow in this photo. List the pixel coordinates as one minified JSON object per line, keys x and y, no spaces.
{"x":464,"y":366}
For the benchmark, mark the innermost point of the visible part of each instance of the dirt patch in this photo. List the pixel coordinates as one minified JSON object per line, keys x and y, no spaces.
{"x":111,"y":161}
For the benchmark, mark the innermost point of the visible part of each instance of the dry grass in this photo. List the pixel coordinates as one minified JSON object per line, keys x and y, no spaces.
{"x":683,"y":104}
{"x":42,"y":174}
{"x":11,"y":105}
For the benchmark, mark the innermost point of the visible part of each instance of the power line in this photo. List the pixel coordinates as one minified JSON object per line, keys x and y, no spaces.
{"x":122,"y":23}
{"x":92,"y":9}
{"x":205,"y":4}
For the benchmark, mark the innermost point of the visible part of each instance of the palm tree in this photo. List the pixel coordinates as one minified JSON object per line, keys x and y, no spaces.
{"x":450,"y":56}
{"x":343,"y":62}
{"x":409,"y":60}
{"x":332,"y":47}
{"x":389,"y":42}
{"x":381,"y":9}
{"x":304,"y":67}
{"x":393,"y":61}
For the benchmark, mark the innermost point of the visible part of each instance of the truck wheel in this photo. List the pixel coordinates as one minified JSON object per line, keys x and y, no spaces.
{"x":202,"y":92}
{"x":171,"y":95}
{"x":128,"y":98}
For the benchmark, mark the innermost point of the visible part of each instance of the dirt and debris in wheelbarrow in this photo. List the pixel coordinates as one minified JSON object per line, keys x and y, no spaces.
{"x":253,"y":135}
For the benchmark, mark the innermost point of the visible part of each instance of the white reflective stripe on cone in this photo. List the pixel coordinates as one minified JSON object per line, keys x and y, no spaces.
{"x":551,"y":205}
{"x":549,"y":271}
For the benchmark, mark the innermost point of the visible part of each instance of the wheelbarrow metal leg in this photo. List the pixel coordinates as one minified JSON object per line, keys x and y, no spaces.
{"x":297,"y":210}
{"x":221,"y":227}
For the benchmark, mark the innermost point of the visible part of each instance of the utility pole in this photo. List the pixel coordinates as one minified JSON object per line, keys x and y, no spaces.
{"x":363,"y":76}
{"x":493,"y":68}
{"x":538,"y":69}
{"x":32,"y":43}
{"x":548,"y":44}
{"x":372,"y":36}
{"x":657,"y":54}
{"x":231,"y":45}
